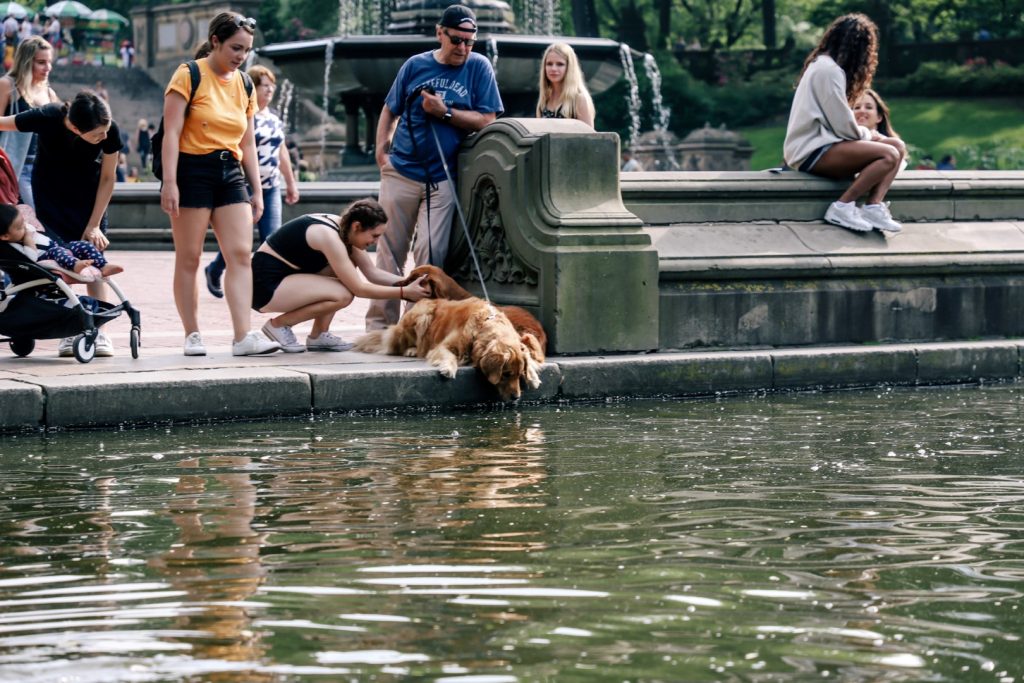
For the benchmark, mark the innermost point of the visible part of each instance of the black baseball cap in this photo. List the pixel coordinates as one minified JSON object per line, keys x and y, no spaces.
{"x":459,"y":17}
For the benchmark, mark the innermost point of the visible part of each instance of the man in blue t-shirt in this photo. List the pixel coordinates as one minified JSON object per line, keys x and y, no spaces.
{"x":449,"y":91}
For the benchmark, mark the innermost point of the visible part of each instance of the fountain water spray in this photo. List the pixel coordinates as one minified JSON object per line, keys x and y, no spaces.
{"x":286,"y":92}
{"x":328,"y":62}
{"x":492,"y":54}
{"x":633,"y":96}
{"x":661,"y":112}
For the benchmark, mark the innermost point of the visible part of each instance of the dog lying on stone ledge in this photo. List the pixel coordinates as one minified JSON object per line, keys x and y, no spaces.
{"x":452,"y":333}
{"x":444,"y":287}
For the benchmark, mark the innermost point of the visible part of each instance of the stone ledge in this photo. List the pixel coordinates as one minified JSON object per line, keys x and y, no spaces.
{"x":665,"y":374}
{"x":938,"y":363}
{"x":269,"y":392}
{"x":738,"y":197}
{"x":844,"y":367}
{"x":21,"y":405}
{"x":221,"y":393}
{"x":411,"y":385}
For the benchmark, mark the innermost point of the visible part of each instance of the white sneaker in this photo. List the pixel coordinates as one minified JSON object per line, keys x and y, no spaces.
{"x":847,"y":215}
{"x":104,"y":347}
{"x":194,"y":345}
{"x":284,"y":336}
{"x":879,"y":217}
{"x":327,"y":342}
{"x":253,"y":344}
{"x":65,"y":349}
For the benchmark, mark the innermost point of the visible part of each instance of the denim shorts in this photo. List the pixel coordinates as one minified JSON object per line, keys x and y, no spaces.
{"x":208,"y":181}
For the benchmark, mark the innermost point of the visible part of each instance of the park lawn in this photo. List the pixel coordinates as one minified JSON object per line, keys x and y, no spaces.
{"x":928,"y":125}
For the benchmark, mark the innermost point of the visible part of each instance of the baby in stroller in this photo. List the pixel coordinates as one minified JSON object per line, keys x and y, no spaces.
{"x":18,"y":237}
{"x":38,"y":304}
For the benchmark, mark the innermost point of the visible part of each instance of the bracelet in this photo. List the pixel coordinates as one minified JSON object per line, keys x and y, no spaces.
{"x":400,"y":294}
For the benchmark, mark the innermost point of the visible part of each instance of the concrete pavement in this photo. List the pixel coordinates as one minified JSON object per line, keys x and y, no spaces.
{"x":43,"y":391}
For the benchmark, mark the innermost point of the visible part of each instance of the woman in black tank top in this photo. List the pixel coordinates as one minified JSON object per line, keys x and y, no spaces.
{"x":309,"y":270}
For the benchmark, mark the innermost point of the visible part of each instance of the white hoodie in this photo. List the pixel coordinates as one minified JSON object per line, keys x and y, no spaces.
{"x":820,"y":113}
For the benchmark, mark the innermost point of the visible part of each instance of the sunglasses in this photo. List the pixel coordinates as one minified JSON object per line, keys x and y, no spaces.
{"x":245,"y":22}
{"x":458,"y":40}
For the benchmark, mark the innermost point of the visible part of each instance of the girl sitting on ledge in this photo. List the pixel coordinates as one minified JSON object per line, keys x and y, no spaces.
{"x":307,"y":270}
{"x":823,"y":136}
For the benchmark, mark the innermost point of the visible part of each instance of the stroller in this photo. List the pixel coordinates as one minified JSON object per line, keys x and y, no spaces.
{"x":36,"y":302}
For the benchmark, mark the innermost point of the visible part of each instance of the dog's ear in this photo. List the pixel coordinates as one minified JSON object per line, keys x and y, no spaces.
{"x":493,"y":363}
{"x":533,"y":346}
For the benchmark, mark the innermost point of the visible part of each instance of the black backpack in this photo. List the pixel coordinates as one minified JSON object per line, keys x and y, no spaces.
{"x":157,"y":141}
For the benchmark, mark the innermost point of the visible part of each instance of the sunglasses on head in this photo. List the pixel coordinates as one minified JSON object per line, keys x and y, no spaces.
{"x":459,"y":40}
{"x":245,"y":22}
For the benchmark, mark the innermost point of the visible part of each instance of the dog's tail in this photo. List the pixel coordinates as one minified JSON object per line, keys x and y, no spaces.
{"x":375,"y":341}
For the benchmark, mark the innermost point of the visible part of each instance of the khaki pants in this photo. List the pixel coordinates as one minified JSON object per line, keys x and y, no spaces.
{"x":403,"y":202}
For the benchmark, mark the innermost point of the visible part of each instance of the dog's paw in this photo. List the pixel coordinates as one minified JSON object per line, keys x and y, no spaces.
{"x":532,"y":378}
{"x":447,"y":369}
{"x":410,"y":352}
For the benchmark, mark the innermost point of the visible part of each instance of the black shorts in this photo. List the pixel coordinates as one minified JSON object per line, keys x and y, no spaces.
{"x":208,"y":181}
{"x":267,"y":273}
{"x":816,"y":156}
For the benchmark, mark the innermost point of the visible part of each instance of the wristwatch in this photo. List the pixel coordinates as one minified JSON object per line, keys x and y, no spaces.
{"x":447,"y":114}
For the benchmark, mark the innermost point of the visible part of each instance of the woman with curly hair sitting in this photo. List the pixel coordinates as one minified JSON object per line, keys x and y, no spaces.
{"x":823,"y":136}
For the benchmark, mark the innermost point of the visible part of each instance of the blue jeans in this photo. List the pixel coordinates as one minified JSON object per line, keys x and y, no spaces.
{"x":268,"y":223}
{"x":25,"y":185}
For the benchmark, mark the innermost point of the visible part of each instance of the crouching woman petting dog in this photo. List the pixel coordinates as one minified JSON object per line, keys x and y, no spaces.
{"x":307,"y":270}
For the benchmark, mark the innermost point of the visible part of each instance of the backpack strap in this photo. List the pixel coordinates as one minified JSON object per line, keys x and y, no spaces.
{"x":247,"y":80}
{"x":194,"y":77}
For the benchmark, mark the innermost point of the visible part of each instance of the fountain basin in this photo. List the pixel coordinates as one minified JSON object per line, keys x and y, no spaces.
{"x":368,"y":64}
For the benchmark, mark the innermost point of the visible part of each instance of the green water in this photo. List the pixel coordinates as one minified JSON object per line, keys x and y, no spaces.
{"x":870,"y":536}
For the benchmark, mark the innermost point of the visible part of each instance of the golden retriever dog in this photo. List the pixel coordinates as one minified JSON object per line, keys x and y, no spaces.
{"x":444,"y":287}
{"x":452,"y":333}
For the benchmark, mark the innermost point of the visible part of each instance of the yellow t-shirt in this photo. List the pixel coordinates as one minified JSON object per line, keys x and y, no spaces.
{"x":219,"y":113}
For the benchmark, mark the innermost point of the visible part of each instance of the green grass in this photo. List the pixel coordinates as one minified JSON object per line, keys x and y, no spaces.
{"x":929,"y":126}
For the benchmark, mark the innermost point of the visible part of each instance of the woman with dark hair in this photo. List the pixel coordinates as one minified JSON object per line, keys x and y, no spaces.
{"x":207,"y":157}
{"x":73,"y":177}
{"x":823,"y":136}
{"x":308,"y":270}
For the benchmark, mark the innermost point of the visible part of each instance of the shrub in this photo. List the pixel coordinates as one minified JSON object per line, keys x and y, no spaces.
{"x":975,"y":77}
{"x":998,"y":155}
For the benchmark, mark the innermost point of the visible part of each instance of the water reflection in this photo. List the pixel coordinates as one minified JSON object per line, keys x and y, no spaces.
{"x":215,"y":561}
{"x":861,"y":536}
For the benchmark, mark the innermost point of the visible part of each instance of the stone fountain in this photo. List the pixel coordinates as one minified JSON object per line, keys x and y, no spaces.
{"x":358,"y":69}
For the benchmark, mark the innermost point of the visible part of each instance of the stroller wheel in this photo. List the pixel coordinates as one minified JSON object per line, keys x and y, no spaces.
{"x":84,"y":348}
{"x":135,"y":341}
{"x":22,"y":347}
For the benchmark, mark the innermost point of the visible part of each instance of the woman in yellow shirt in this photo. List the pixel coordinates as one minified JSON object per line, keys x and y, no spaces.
{"x":204,"y":155}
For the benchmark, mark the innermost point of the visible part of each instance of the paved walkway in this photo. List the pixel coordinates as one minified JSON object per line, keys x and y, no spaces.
{"x":147,"y":284}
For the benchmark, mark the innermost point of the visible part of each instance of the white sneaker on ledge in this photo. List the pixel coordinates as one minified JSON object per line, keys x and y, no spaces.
{"x":253,"y":344}
{"x":284,"y":336}
{"x":879,"y":217}
{"x":847,"y":215}
{"x":328,"y":342}
{"x":194,"y":345}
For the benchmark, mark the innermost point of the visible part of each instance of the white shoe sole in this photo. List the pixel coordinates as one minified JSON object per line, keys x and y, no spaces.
{"x":848,"y":226}
{"x":331,"y":349}
{"x":255,"y":353}
{"x":195,"y":352}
